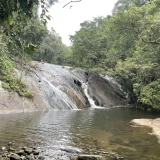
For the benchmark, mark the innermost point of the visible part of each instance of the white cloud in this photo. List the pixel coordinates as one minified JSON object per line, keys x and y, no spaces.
{"x":66,"y":21}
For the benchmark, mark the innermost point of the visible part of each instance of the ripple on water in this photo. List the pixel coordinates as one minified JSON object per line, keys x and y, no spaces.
{"x":94,"y":131}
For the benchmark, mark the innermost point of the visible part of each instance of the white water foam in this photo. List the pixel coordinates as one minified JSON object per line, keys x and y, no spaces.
{"x":57,"y":99}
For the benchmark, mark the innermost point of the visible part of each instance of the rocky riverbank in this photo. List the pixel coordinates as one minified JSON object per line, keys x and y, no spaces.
{"x":10,"y":152}
{"x":21,"y":153}
{"x":152,"y":123}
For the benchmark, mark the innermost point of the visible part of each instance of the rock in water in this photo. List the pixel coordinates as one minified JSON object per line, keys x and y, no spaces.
{"x":21,"y":152}
{"x":35,"y":152}
{"x":14,"y":156}
{"x":41,"y":158}
{"x":88,"y":157}
{"x":28,"y":150}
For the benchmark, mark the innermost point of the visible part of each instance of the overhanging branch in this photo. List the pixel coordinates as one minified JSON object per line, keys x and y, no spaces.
{"x":71,"y":2}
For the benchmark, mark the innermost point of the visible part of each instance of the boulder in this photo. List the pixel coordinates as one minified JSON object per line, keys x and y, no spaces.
{"x":41,"y":158}
{"x":21,"y":152}
{"x":35,"y":152}
{"x":14,"y":156}
{"x":28,"y":150}
{"x":105,"y":92}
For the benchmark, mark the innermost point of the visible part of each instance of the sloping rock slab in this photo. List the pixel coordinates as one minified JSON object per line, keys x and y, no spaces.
{"x":105,"y":92}
{"x":11,"y":102}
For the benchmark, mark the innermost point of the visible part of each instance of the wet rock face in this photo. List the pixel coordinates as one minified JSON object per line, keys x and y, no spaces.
{"x":105,"y":92}
{"x":80,"y":74}
{"x":60,"y":87}
{"x":52,"y":86}
{"x":11,"y":102}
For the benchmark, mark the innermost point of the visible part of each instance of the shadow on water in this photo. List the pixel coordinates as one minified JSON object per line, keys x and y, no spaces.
{"x":94,"y":130}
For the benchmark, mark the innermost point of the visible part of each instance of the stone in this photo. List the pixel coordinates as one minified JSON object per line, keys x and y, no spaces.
{"x":29,"y":157}
{"x":28,"y":150}
{"x":41,"y":158}
{"x":11,"y":149}
{"x":21,"y":152}
{"x":71,"y":150}
{"x":35,"y":152}
{"x":35,"y":148}
{"x":14,"y":156}
{"x":105,"y":152}
{"x":23,"y":158}
{"x":3,"y":148}
{"x":118,"y":158}
{"x":10,"y":143}
{"x":88,"y":157}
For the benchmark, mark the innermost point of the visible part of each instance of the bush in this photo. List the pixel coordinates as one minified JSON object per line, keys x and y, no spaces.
{"x":10,"y":81}
{"x":150,"y":95}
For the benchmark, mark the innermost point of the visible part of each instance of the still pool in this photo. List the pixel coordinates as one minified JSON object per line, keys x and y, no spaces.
{"x":95,"y":131}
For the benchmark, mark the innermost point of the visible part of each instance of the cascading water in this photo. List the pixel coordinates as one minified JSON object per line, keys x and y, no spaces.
{"x":85,"y":89}
{"x":56,"y":98}
{"x":91,"y":101}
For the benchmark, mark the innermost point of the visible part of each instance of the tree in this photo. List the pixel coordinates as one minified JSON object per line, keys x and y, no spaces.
{"x":7,"y":7}
{"x":51,"y":50}
{"x":125,"y":4}
{"x":125,"y":45}
{"x":90,"y":43}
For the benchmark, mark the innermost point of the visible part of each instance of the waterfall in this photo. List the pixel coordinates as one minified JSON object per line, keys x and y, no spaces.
{"x":91,"y":101}
{"x":85,"y":89}
{"x":56,"y":83}
{"x":55,"y":97}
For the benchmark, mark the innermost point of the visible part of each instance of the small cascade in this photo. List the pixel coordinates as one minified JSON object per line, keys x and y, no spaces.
{"x":91,"y":101}
{"x":85,"y":89}
{"x":55,"y":97}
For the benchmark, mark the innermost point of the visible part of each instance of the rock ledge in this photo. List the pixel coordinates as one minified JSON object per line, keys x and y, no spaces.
{"x":152,"y":123}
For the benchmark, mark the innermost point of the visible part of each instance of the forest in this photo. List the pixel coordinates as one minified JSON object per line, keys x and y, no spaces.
{"x":124,"y":45}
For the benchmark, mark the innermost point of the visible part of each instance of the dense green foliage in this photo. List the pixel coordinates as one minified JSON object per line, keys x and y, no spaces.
{"x":8,"y":7}
{"x":51,"y":49}
{"x":23,"y":36}
{"x":125,"y":45}
{"x":6,"y":66}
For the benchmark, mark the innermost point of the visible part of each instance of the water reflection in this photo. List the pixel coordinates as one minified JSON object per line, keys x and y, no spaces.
{"x":93,"y":130}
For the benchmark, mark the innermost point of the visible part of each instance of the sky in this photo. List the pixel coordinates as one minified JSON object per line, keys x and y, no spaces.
{"x":66,"y":21}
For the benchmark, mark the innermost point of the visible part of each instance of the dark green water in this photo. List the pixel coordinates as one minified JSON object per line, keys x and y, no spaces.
{"x":93,"y":130}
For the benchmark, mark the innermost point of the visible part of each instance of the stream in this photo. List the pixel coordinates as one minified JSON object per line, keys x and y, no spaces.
{"x":93,"y":130}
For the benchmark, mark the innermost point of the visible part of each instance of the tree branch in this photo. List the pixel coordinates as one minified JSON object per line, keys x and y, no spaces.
{"x":71,"y":2}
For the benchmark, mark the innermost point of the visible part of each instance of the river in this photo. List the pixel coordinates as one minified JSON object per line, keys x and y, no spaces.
{"x":95,"y":131}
